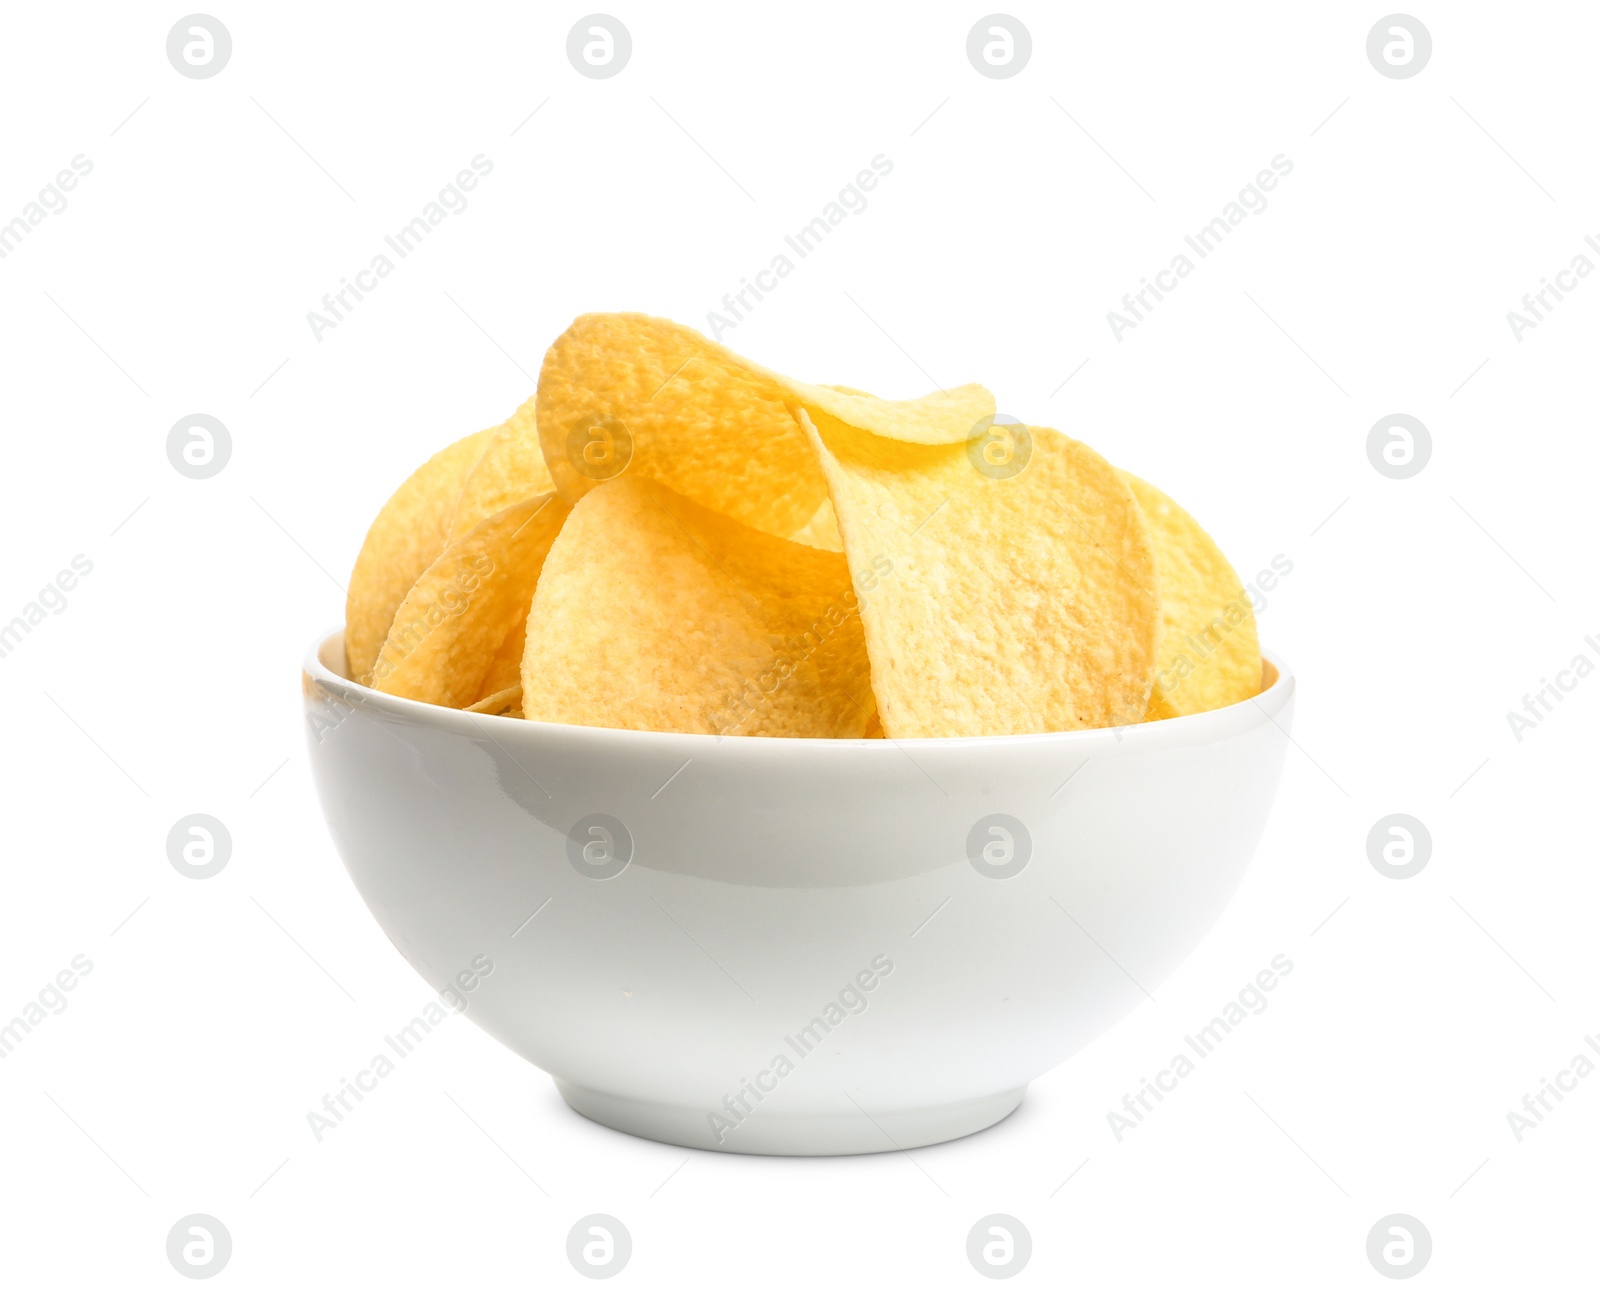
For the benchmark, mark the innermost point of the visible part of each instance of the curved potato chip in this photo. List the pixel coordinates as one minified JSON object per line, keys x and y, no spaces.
{"x":454,"y":621}
{"x":505,"y":670}
{"x":625,"y":392}
{"x":655,"y":613}
{"x":995,"y":599}
{"x":403,"y":540}
{"x":822,"y":531}
{"x":939,"y":418}
{"x":620,"y":391}
{"x":511,"y":469}
{"x":507,"y":701}
{"x":1210,"y":655}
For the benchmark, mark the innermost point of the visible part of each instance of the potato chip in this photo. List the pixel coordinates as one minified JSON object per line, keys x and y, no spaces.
{"x":408,"y":534}
{"x":822,"y":531}
{"x":941,"y":418}
{"x":511,"y":469}
{"x":998,"y":597}
{"x":507,"y":701}
{"x":670,"y":537}
{"x":452,"y":624}
{"x":655,"y":613}
{"x":1209,"y":655}
{"x":621,"y":392}
{"x":506,"y":667}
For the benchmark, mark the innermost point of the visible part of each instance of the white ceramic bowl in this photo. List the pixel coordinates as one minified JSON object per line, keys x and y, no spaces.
{"x":787,"y":947}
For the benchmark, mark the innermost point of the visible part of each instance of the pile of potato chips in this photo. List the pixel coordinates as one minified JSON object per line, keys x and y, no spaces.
{"x":672,"y":538}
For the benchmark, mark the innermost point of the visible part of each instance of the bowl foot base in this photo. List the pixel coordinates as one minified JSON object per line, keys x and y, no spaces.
{"x":850,"y":1130}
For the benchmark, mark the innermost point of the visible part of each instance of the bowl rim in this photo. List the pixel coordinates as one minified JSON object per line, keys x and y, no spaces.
{"x":1184,"y":730}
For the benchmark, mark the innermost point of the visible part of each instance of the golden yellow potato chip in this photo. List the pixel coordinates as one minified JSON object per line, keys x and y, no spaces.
{"x":511,"y":469}
{"x":405,"y":538}
{"x":1001,"y":592}
{"x":505,"y":670}
{"x":452,"y":624}
{"x":1209,"y":655}
{"x":655,"y":613}
{"x":941,"y":418}
{"x":507,"y":701}
{"x":822,"y":531}
{"x":750,"y":554}
{"x":627,"y":392}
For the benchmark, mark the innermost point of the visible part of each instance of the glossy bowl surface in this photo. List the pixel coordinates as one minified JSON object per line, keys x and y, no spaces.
{"x":786,"y":946}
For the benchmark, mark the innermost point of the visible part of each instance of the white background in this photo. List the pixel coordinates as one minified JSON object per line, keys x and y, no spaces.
{"x":178,"y":279}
